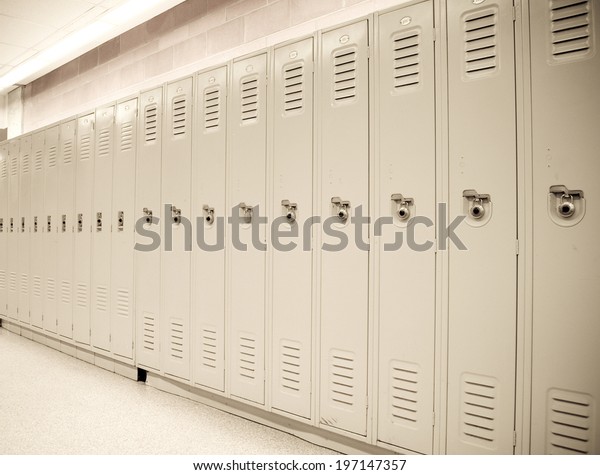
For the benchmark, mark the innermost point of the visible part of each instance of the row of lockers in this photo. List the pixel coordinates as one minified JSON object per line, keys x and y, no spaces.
{"x":347,"y":340}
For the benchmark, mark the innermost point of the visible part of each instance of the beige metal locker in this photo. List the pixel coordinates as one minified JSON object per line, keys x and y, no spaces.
{"x":147,"y":211}
{"x":208,"y":208}
{"x":406,"y":194}
{"x":23,"y":229}
{"x":246,"y":281}
{"x":176,"y":261}
{"x":123,"y":228}
{"x":66,"y":211}
{"x":565,"y":70}
{"x":4,"y":166}
{"x":344,"y":144}
{"x":84,"y":182}
{"x":50,"y":223}
{"x":482,"y":187}
{"x":37,"y":229}
{"x":12,"y":297}
{"x":101,"y":228}
{"x":292,"y":205}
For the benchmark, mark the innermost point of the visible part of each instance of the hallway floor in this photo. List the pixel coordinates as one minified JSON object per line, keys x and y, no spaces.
{"x":51,"y":403}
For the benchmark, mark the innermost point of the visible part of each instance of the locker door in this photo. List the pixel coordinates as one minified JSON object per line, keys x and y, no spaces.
{"x":247,"y":168}
{"x":566,"y":258}
{"x":3,"y":225}
{"x":50,"y":224}
{"x":344,"y":188}
{"x":176,"y":263}
{"x":208,"y":178}
{"x":66,"y":211}
{"x":36,"y":228}
{"x":13,"y":217}
{"x":101,"y":228}
{"x":407,"y":168}
{"x":482,"y":279}
{"x":24,"y":235}
{"x":123,"y":238}
{"x":147,"y":207}
{"x":292,"y":269}
{"x":84,"y":182}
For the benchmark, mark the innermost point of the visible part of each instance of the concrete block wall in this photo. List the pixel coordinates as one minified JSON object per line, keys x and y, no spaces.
{"x":192,"y":36}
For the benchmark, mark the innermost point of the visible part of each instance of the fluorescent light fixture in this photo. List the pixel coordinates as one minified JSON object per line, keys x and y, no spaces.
{"x":123,"y":13}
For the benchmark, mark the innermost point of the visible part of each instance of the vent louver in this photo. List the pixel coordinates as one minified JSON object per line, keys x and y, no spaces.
{"x":291,"y":365}
{"x":404,"y":391}
{"x":38,"y":160}
{"x":480,"y":43}
{"x":570,"y":29}
{"x":52,"y":156}
{"x":179,"y":116}
{"x":478,"y":410}
{"x":342,"y":378}
{"x":293,"y":88}
{"x":406,"y":67}
{"x":85,"y":147}
{"x":212,"y":108}
{"x":209,"y":348}
{"x":247,"y":356}
{"x":249,"y":99}
{"x":126,"y":136}
{"x":176,"y":343}
{"x":25,"y":164}
{"x":344,"y":75}
{"x":104,"y":143}
{"x":67,"y":152}
{"x":570,"y":423}
{"x":150,"y":123}
{"x":149,"y":332}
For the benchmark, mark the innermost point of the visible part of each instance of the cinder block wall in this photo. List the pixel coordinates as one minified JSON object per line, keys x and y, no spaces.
{"x":191,"y":36}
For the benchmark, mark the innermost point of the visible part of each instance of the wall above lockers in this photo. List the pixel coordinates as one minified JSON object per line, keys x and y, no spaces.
{"x":192,"y":36}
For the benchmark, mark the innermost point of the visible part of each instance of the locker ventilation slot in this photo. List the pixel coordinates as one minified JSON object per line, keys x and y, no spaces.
{"x":101,"y":298}
{"x":13,"y":166}
{"x":104,"y":143}
{"x":67,"y":152}
{"x":212,"y":108}
{"x":291,"y":365}
{"x":2,"y":280}
{"x":50,"y":289}
{"x":123,"y":303}
{"x":3,"y":169}
{"x":209,"y":348}
{"x":52,"y":156}
{"x":150,"y":123}
{"x":85,"y":149}
{"x":480,"y":43}
{"x":249,"y":102}
{"x":342,"y":381}
{"x":149,"y":332}
{"x":179,"y":116}
{"x":37,"y":286}
{"x":570,"y":423}
{"x":570,"y":28}
{"x":478,"y":410}
{"x":12,"y":282}
{"x":65,"y":292}
{"x":404,"y":393}
{"x":293,"y":92}
{"x":177,"y":339}
{"x":344,"y":76}
{"x":406,"y":60}
{"x":25,"y":164}
{"x":247,"y":356}
{"x":82,"y":295}
{"x":126,"y":136}
{"x":38,"y":160}
{"x":25,"y":284}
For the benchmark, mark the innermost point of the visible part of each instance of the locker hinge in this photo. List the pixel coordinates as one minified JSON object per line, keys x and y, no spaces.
{"x":90,"y":332}
{"x":435,"y":34}
{"x":72,"y":327}
{"x":517,"y":247}
{"x":514,"y":438}
{"x":514,"y":13}
{"x":110,"y":338}
{"x":132,"y":345}
{"x":433,"y":419}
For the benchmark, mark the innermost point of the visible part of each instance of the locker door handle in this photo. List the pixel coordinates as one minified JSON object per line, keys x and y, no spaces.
{"x":48,"y":224}
{"x":247,"y":212}
{"x":341,"y":208}
{"x":35,"y":224}
{"x":403,"y":206}
{"x":22,"y":224}
{"x":148,"y":215}
{"x":99,"y":221}
{"x":1,"y":225}
{"x":565,"y":200}
{"x":176,"y":214}
{"x":478,"y":201}
{"x":209,"y":214}
{"x":120,"y":221}
{"x":80,"y":222}
{"x":290,"y":210}
{"x":12,"y":225}
{"x":64,"y":223}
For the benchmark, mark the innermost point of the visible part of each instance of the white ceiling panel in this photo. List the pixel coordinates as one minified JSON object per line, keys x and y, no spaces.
{"x":8,"y":53}
{"x":54,"y":14}
{"x":19,"y":32}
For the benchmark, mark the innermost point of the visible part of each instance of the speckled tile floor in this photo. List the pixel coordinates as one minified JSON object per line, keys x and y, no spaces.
{"x":51,"y":403}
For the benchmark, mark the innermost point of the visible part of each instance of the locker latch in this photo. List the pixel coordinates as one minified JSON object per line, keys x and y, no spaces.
{"x":565,"y":200}
{"x":64,"y":223}
{"x":403,"y":206}
{"x":1,"y":225}
{"x":120,"y":221}
{"x":176,"y":214}
{"x":99,"y":221}
{"x":11,"y":225}
{"x":246,"y":212}
{"x":22,"y":224}
{"x":341,"y":208}
{"x":80,"y":222}
{"x":477,"y":208}
{"x":209,"y":214}
{"x":35,"y":224}
{"x":290,"y":210}
{"x":148,"y":215}
{"x":49,"y":224}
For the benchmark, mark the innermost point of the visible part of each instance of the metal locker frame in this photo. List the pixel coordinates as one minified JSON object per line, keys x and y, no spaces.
{"x":84,"y":183}
{"x":176,"y":263}
{"x":4,"y":166}
{"x":147,"y":213}
{"x":123,"y":229}
{"x":12,"y":226}
{"x":246,"y":270}
{"x":23,"y":229}
{"x":209,"y":159}
{"x":66,"y":210}
{"x":291,"y":204}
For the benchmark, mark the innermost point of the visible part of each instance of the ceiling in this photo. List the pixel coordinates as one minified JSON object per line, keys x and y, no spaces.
{"x":37,"y":36}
